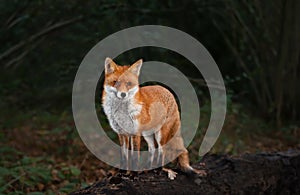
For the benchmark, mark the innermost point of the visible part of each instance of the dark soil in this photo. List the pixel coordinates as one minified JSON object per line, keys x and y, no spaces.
{"x":267,"y":173}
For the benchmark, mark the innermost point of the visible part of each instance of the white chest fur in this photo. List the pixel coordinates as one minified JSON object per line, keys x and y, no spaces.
{"x":121,"y":114}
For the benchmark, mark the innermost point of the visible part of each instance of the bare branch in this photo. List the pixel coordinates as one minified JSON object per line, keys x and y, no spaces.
{"x":242,"y":63}
{"x":38,"y":35}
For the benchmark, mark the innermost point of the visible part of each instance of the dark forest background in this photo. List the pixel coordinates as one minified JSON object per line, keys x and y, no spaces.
{"x":255,"y":44}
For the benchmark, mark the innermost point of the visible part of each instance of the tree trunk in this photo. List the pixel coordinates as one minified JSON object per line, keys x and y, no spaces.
{"x":285,"y":85}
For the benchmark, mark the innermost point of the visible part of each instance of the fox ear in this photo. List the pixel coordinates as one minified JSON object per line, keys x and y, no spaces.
{"x":136,"y":67}
{"x":110,"y":66}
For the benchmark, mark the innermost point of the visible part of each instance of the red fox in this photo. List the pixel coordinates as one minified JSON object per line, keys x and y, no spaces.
{"x":149,"y":111}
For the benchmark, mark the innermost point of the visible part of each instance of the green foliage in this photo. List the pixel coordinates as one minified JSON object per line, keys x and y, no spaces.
{"x":29,"y":172}
{"x":20,"y":173}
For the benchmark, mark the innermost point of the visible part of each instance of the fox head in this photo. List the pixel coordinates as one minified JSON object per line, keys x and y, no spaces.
{"x":122,"y":81}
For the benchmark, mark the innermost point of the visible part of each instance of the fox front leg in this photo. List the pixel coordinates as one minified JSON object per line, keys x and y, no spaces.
{"x":124,"y":142}
{"x":135,"y":142}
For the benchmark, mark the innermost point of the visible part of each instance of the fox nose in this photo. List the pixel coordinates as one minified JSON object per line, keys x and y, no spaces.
{"x":123,"y":94}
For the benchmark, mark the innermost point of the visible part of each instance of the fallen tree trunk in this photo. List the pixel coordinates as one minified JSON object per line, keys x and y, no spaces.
{"x":270,"y":173}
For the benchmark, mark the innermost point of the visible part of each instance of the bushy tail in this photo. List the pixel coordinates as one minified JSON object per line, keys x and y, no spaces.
{"x":178,"y":145}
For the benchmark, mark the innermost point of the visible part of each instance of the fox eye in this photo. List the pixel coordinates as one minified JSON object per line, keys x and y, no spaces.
{"x":129,"y":83}
{"x":114,"y":82}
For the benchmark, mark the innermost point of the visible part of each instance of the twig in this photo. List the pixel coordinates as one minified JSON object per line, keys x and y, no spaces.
{"x":16,"y":60}
{"x":202,"y":82}
{"x":14,"y":180}
{"x":84,"y":160}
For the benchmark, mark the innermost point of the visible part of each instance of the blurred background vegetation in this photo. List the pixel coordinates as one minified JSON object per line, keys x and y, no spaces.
{"x":255,"y":44}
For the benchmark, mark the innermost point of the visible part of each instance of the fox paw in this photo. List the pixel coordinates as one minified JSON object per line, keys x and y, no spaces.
{"x":171,"y":174}
{"x":200,"y":172}
{"x":193,"y":172}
